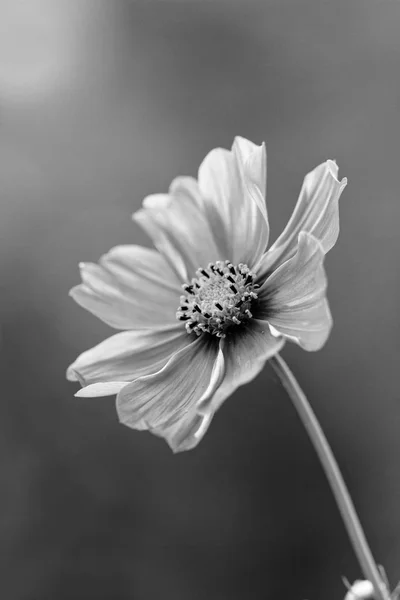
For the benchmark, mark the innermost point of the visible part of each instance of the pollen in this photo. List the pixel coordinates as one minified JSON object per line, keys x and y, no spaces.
{"x":218,"y":299}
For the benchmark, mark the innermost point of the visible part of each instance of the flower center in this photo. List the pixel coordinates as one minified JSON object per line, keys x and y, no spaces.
{"x":218,"y":299}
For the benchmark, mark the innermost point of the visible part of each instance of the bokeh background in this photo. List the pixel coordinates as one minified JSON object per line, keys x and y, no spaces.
{"x":102,"y":103}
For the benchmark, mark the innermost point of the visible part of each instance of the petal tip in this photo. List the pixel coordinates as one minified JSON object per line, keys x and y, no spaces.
{"x":246,"y":147}
{"x":137,"y":215}
{"x":80,"y":394}
{"x":334,"y":171}
{"x":72,"y":375}
{"x":74,"y":291}
{"x":101,"y":389}
{"x":238,"y":139}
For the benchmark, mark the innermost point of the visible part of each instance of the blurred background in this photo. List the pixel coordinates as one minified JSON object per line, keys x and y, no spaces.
{"x":102,"y":103}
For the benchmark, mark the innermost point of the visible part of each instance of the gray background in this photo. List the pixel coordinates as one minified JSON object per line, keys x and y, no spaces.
{"x":102,"y":103}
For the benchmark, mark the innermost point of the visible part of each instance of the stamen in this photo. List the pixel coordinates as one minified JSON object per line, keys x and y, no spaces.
{"x":218,"y":299}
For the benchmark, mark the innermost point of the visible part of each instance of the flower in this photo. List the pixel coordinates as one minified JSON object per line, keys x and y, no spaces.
{"x":201,"y":314}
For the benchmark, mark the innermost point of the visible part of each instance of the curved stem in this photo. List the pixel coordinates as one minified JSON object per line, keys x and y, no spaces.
{"x":330,"y":466}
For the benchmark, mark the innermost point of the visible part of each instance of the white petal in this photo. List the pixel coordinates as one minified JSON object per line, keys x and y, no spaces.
{"x":252,"y":161}
{"x":217,"y":377}
{"x":240,"y":358}
{"x":245,"y":354}
{"x":188,"y":187}
{"x":97,"y":390}
{"x":233,"y":183}
{"x":293,"y":298}
{"x":316,"y":212}
{"x":131,"y":287}
{"x":168,"y":396}
{"x":127,"y":355}
{"x":186,"y":433}
{"x":180,"y":231}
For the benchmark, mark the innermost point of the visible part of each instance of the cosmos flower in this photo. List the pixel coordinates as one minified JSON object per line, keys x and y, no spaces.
{"x":203,"y":312}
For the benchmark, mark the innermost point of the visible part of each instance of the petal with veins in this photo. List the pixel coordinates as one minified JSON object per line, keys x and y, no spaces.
{"x":167,"y":396}
{"x":316,"y":212}
{"x":188,"y":187}
{"x":233,"y":184}
{"x":128,"y":355}
{"x":131,"y":287}
{"x":245,"y":354}
{"x":180,"y":231}
{"x":98,"y":390}
{"x":189,"y":430}
{"x":186,"y":433}
{"x":293,"y":298}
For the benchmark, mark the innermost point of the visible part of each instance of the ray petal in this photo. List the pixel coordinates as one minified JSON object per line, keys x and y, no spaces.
{"x":293,"y":298}
{"x":127,"y":355}
{"x":166,"y":397}
{"x":316,"y":212}
{"x":186,"y":433}
{"x":180,"y":231}
{"x":233,"y":184}
{"x":132,"y":287}
{"x":245,"y":354}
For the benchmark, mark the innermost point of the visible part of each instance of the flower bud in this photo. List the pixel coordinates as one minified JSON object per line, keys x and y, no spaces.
{"x":360,"y":590}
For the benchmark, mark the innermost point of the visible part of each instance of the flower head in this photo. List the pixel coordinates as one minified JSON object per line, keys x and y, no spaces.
{"x":203,"y":312}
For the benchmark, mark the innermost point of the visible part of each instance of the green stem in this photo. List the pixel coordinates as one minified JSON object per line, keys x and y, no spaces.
{"x":332,"y":472}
